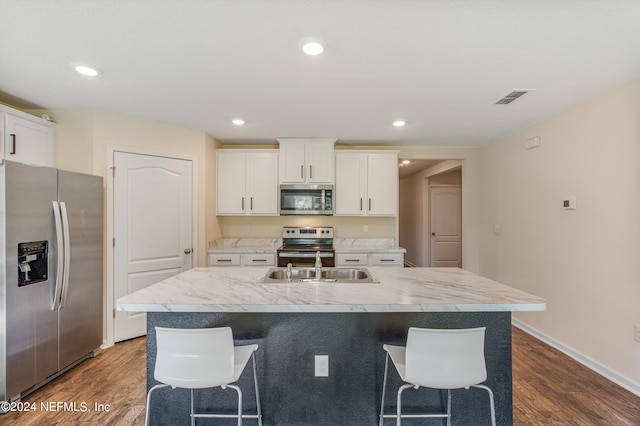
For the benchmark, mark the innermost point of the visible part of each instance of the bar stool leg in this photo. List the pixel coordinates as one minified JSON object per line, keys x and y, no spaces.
{"x":237,"y":389}
{"x":384,"y":388}
{"x":399,"y":413}
{"x":448,"y":407}
{"x":193,"y":412}
{"x":491,"y":402}
{"x":255,"y":381}
{"x":146,"y":418}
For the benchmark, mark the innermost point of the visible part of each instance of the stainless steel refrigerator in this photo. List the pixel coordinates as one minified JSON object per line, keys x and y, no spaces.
{"x":50,"y":273}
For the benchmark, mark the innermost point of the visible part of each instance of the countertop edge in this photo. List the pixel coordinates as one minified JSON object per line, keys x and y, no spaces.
{"x":190,"y":307}
{"x":338,"y":249}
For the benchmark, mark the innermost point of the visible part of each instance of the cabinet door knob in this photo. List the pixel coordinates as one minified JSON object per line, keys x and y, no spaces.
{"x":187,"y":251}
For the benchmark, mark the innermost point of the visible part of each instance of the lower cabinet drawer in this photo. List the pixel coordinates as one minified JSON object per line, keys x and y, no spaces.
{"x":259,"y":259}
{"x":224,"y":259}
{"x":351,"y":259}
{"x":382,"y":259}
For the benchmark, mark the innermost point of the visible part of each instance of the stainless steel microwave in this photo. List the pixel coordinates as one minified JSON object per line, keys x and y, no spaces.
{"x":306,"y":200}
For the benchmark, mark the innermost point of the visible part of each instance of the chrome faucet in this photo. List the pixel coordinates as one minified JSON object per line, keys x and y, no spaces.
{"x":289,"y":265}
{"x":318,"y":266}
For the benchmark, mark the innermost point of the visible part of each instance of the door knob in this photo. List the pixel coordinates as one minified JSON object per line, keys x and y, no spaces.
{"x":187,"y":251}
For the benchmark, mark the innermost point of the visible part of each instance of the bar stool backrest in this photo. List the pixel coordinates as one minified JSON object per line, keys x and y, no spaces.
{"x":445,"y":359}
{"x":194,"y":358}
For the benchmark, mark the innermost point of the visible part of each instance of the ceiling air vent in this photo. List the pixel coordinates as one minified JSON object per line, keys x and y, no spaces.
{"x":515,"y":94}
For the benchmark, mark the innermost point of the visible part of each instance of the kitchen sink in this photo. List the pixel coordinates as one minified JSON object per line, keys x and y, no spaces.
{"x":328,"y":275}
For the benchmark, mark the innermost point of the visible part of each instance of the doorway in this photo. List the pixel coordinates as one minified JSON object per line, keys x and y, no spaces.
{"x":416,"y":216}
{"x":151,"y":214}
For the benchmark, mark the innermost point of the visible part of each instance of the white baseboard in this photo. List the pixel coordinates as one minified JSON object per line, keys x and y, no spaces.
{"x":614,"y":376}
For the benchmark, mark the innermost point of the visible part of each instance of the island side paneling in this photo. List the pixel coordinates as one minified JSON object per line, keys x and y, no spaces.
{"x":292,"y":396}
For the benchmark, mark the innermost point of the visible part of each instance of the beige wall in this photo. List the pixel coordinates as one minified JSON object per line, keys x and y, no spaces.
{"x":585,"y":263}
{"x":82,"y":137}
{"x":213,"y":223}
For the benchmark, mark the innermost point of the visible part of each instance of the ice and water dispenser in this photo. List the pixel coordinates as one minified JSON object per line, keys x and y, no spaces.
{"x":32,"y":262}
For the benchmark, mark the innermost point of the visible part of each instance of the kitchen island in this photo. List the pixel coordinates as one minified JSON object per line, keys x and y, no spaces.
{"x":293,"y":322}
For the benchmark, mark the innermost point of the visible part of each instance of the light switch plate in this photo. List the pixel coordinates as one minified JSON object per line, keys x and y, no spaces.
{"x":322,"y":365}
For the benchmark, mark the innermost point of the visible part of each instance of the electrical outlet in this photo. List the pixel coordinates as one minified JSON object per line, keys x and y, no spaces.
{"x":322,"y":365}
{"x":246,"y":228}
{"x":365,"y":228}
{"x":637,"y":332}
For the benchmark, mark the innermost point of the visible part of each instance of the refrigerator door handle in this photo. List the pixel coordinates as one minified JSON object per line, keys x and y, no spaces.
{"x":67,"y":254}
{"x":60,"y":255}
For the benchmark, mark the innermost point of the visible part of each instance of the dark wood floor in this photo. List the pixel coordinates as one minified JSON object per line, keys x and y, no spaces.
{"x":116,"y":377}
{"x":548,"y":389}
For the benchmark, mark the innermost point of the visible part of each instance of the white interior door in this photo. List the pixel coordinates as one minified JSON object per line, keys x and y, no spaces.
{"x":446,"y":226}
{"x":152,"y":203}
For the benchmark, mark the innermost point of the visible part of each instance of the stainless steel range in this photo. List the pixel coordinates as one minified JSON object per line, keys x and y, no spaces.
{"x":300,"y":245}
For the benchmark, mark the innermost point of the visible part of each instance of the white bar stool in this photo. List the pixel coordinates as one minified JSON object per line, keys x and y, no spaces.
{"x":202,"y":358}
{"x":439,"y":359}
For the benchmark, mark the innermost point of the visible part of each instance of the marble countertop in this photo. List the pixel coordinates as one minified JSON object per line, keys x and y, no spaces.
{"x":271,"y":245}
{"x":245,"y":245}
{"x":237,"y":289}
{"x":366,"y":245}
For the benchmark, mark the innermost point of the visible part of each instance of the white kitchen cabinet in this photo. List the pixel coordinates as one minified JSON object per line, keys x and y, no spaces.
{"x":306,"y":160}
{"x":224,"y":259}
{"x":242,"y":259}
{"x":382,"y":184}
{"x":258,"y":259}
{"x":369,"y":259}
{"x":387,"y":259}
{"x":352,"y":259}
{"x":26,"y":138}
{"x":247,"y":182}
{"x":366,"y":183}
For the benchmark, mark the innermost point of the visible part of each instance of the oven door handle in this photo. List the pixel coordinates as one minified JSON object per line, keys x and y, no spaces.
{"x":294,"y":254}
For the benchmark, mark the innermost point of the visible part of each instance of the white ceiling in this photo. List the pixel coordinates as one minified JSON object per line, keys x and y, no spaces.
{"x":438,"y":64}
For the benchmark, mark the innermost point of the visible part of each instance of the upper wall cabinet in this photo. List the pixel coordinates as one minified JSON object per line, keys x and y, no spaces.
{"x":306,"y":160}
{"x":366,"y":183}
{"x":247,"y":182}
{"x":26,"y":138}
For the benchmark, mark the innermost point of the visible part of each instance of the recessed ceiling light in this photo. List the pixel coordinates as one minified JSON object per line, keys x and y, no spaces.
{"x":312,"y":45}
{"x":238,"y":121}
{"x":85,"y":69}
{"x":399,"y":123}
